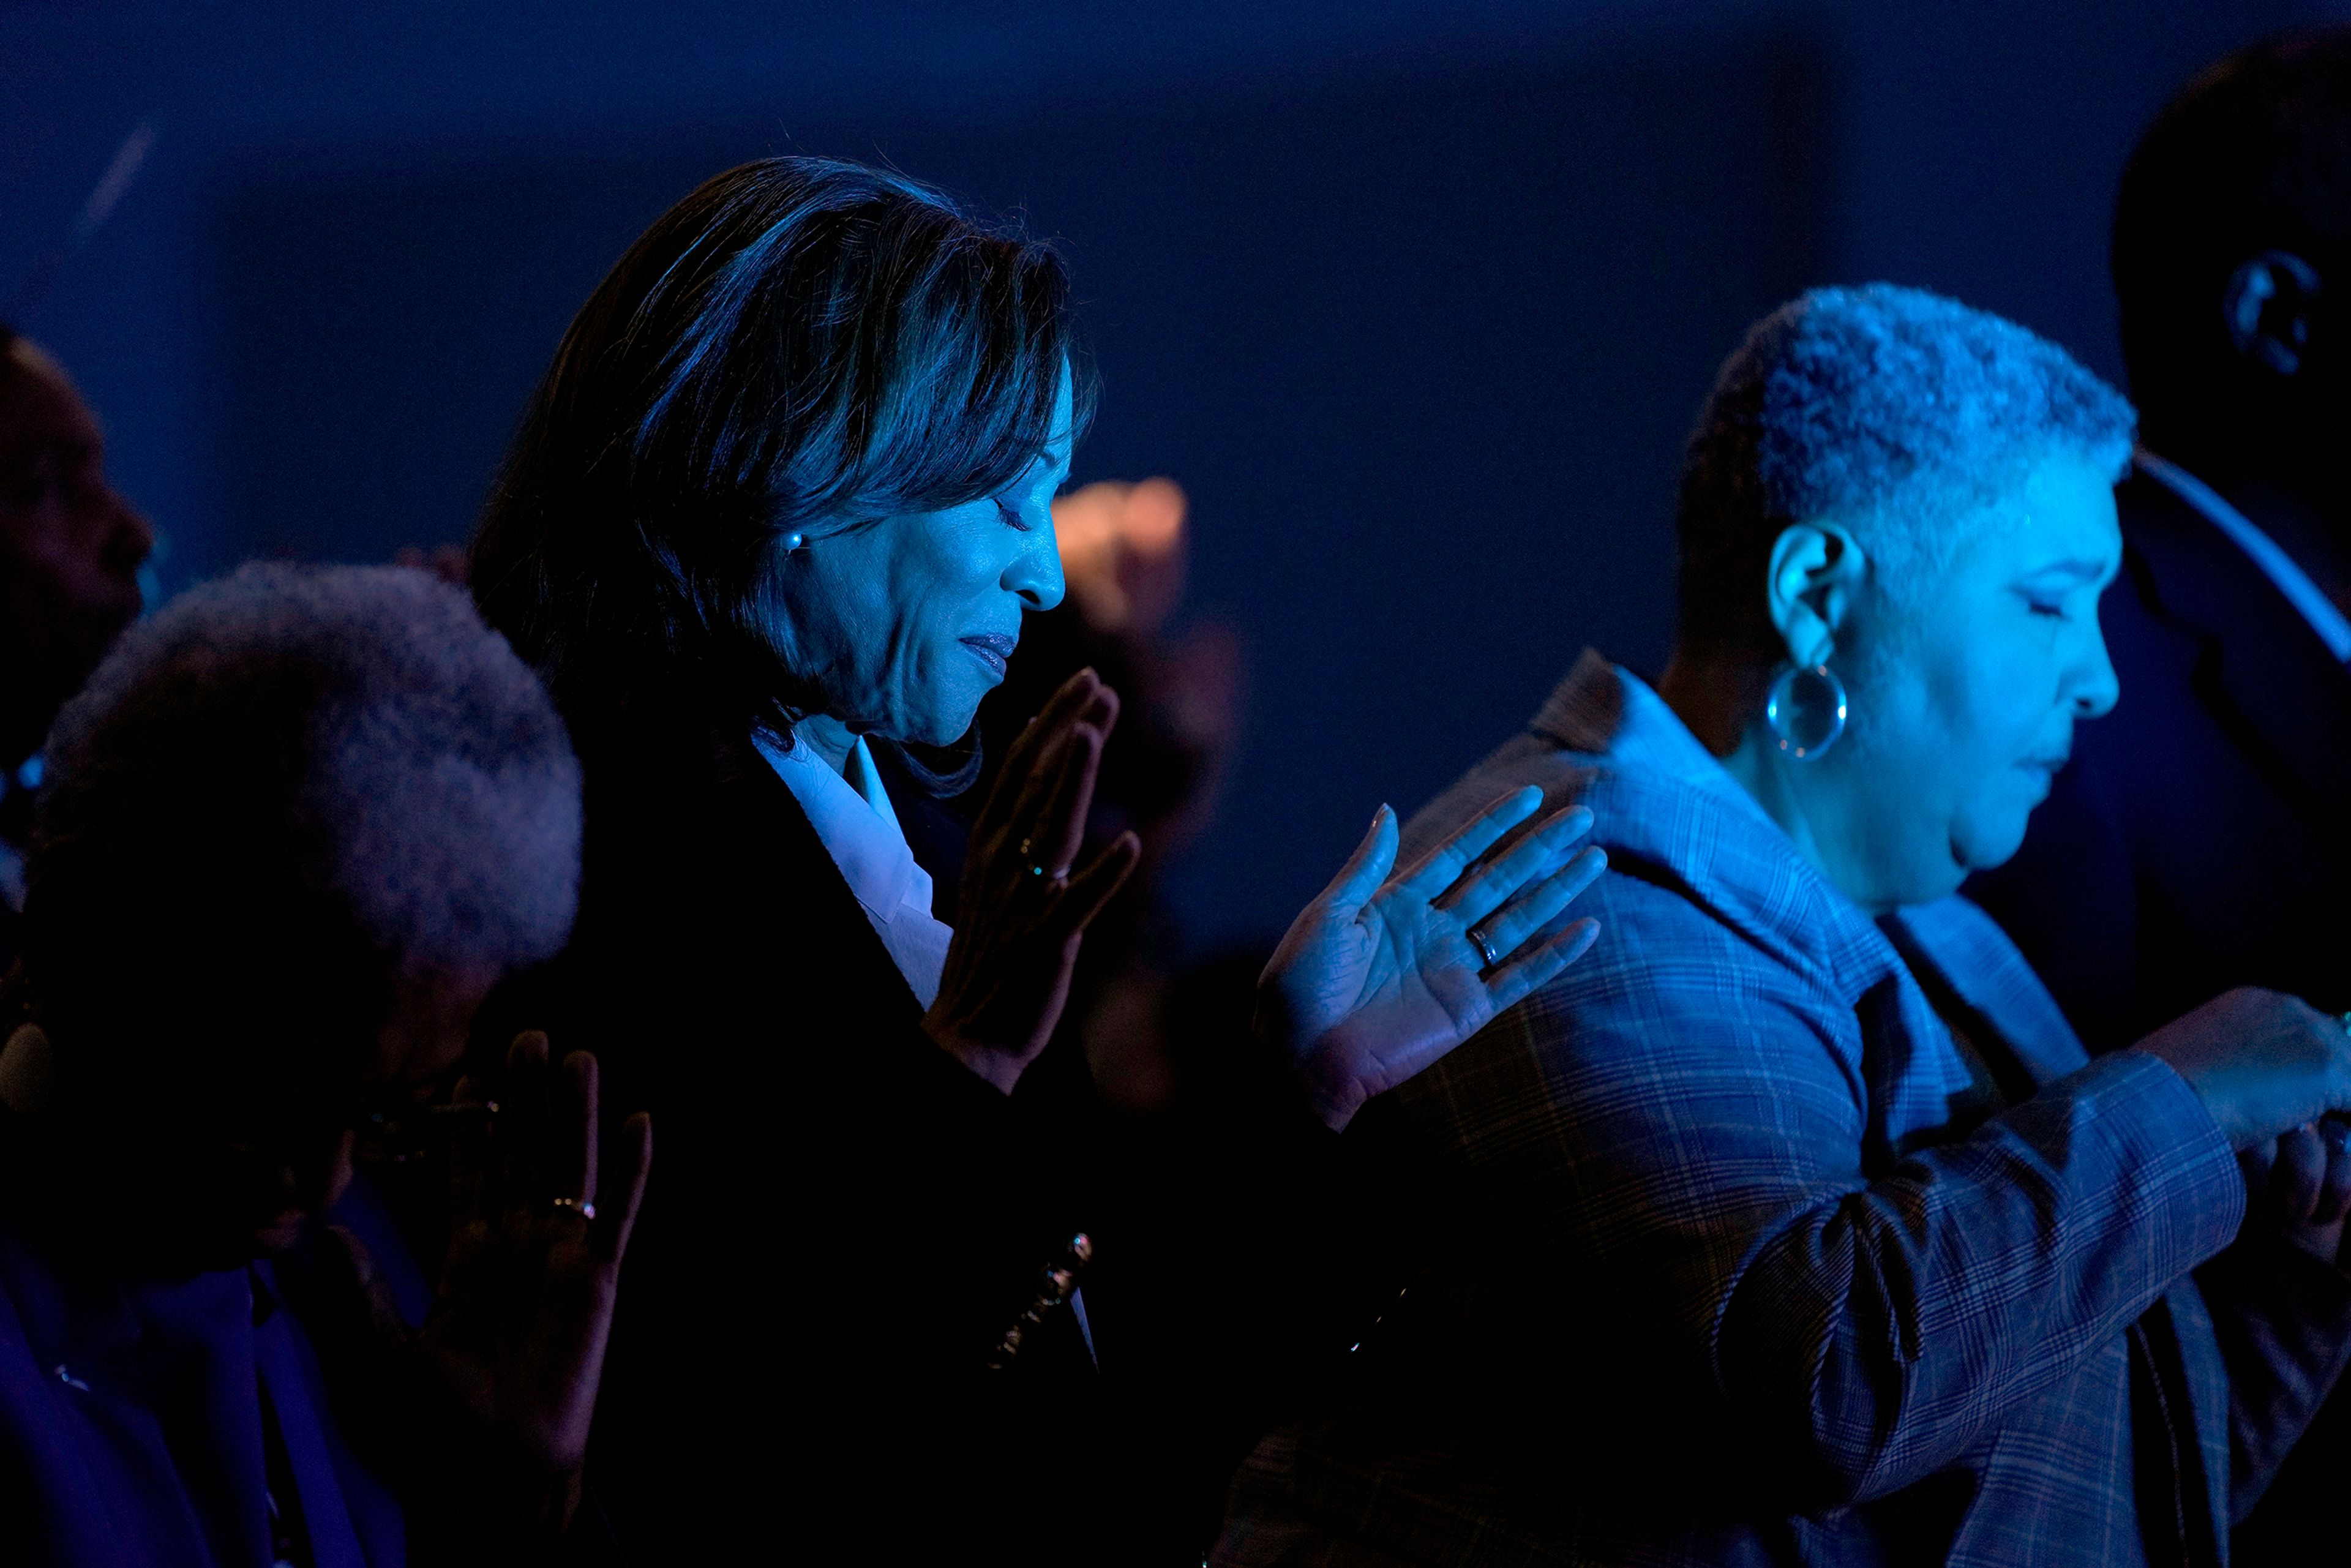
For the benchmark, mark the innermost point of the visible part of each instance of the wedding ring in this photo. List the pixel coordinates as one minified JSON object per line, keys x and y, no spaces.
{"x":1493,"y":959}
{"x":584,"y":1206}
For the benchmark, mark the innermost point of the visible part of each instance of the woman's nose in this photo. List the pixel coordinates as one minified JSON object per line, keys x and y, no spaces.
{"x":2097,"y":688}
{"x":129,"y":537}
{"x":1035,"y":574}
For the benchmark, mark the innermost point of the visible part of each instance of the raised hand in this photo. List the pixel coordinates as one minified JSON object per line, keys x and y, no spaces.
{"x":495,"y":1390}
{"x":1024,"y":908}
{"x":1381,"y":975}
{"x":515,"y":1337}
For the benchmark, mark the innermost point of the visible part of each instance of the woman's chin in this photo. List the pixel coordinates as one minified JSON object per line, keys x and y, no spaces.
{"x":943,"y":725}
{"x":1987,"y":845}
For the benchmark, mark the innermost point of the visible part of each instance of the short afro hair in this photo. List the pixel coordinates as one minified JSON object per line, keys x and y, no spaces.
{"x":272,"y":797}
{"x":1845,"y":402}
{"x":2253,"y":155}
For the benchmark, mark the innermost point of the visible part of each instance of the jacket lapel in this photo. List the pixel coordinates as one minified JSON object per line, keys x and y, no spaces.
{"x":815,"y":913}
{"x":1974,"y":959}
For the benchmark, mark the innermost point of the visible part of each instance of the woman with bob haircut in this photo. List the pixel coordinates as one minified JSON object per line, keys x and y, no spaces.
{"x":1796,"y":1225}
{"x":290,"y":834}
{"x":768,"y":528}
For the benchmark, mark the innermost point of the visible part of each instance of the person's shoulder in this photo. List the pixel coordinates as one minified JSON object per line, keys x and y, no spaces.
{"x":1671,"y":1000}
{"x":1563,"y":777}
{"x":1666,"y":967}
{"x":1665,"y":944}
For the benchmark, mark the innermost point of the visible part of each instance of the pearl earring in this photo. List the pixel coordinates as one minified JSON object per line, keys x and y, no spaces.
{"x":794,"y":544}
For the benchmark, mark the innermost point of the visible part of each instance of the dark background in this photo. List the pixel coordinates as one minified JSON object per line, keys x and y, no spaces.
{"x":1415,"y":299}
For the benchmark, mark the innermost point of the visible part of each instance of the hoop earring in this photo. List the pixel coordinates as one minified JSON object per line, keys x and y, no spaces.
{"x":1806,"y":710}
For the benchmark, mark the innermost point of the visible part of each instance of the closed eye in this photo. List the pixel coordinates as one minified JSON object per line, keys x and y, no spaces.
{"x":1012,"y":515}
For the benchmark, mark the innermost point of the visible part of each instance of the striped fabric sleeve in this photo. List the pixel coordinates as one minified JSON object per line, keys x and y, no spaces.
{"x":1689,"y":1123}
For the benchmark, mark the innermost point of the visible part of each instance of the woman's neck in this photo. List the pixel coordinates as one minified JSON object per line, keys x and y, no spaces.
{"x":827,"y":737}
{"x":1721,"y":701}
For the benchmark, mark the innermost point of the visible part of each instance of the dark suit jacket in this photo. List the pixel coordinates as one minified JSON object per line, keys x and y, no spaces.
{"x":2200,"y":840}
{"x":2201,"y":837}
{"x":841,"y":1219}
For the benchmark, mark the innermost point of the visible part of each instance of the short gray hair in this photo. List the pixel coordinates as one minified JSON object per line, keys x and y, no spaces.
{"x":317,"y":774}
{"x":1843,"y":402}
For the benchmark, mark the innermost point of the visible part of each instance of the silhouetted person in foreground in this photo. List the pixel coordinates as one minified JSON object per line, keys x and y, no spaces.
{"x":295,"y":827}
{"x":71,"y":550}
{"x":2202,"y":838}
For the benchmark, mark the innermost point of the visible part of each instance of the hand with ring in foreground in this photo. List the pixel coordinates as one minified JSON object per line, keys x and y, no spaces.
{"x":1383,"y":975}
{"x":1023,"y":902}
{"x":507,"y":1362}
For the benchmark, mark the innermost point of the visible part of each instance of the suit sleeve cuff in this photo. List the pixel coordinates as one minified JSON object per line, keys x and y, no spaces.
{"x":2183,"y":1170}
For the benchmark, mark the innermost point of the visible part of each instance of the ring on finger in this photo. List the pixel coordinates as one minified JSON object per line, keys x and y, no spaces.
{"x":1037,"y":867}
{"x":1478,"y":940}
{"x":585,"y":1207}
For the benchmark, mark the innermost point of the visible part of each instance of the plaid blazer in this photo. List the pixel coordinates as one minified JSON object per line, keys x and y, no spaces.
{"x":1748,"y":1259}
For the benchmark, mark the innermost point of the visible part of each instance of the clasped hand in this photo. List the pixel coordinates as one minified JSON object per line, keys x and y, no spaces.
{"x":1024,"y":902}
{"x":2275,"y":1073}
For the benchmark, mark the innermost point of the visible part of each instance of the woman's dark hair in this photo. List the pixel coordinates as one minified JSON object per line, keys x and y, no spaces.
{"x":801,"y":341}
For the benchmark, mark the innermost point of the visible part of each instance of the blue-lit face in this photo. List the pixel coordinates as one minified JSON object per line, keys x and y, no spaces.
{"x":1965,"y":693}
{"x":904,"y":625}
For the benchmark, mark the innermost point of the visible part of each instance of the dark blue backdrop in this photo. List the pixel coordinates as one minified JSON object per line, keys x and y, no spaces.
{"x":1416,"y":303}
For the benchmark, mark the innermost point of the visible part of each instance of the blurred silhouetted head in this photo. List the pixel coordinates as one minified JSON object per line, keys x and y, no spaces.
{"x":295,"y":827}
{"x":800,"y":347}
{"x":70,"y":547}
{"x":2232,"y":258}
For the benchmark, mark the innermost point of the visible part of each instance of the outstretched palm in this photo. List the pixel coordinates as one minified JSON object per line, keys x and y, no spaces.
{"x":1381,"y":975}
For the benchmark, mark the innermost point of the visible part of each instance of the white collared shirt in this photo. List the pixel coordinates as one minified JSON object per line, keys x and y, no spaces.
{"x":2324,"y":616}
{"x":852,"y":818}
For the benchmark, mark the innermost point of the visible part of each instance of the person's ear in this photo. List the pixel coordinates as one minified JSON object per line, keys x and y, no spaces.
{"x":1816,"y":571}
{"x":2271,"y":305}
